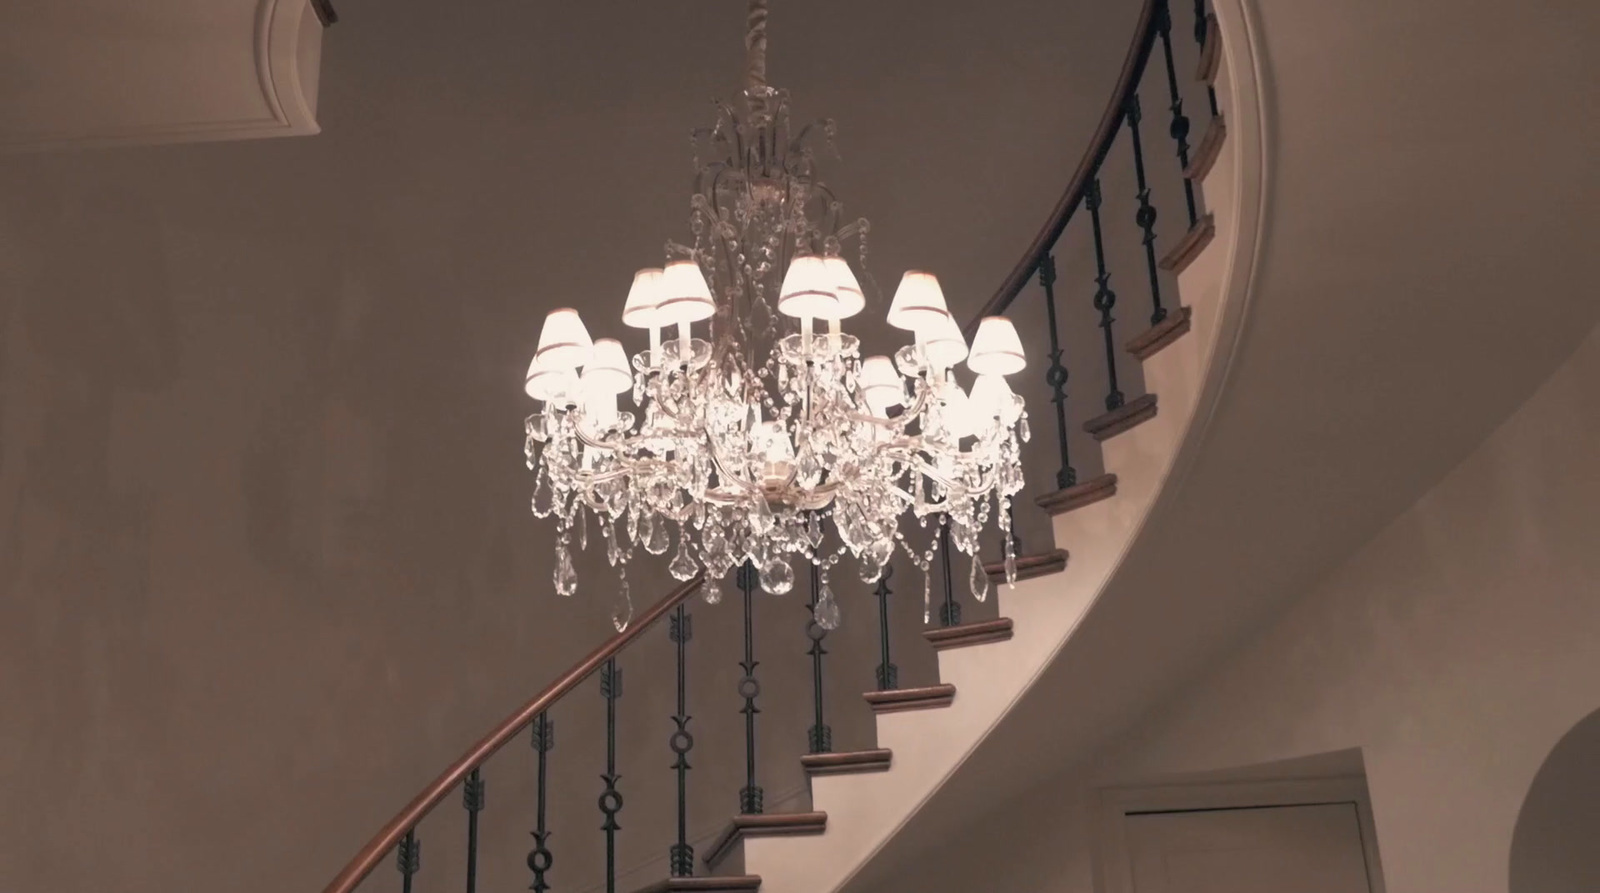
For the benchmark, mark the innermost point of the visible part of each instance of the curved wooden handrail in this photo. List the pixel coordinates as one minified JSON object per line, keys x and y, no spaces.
{"x":1110,"y":122}
{"x":386,"y":839}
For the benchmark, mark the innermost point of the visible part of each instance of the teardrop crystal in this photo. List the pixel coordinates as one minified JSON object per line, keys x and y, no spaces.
{"x":622,"y":608}
{"x":927,"y":598}
{"x":653,"y":529}
{"x":682,"y":566}
{"x":566,"y":578}
{"x":777,"y":577}
{"x":826,"y":613}
{"x":979,"y":579}
{"x":712,"y":592}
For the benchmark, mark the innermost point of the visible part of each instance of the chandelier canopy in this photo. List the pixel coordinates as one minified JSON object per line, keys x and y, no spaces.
{"x":771,"y":437}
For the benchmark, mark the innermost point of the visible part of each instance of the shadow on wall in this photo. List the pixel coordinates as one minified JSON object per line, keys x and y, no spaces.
{"x":1552,"y":849}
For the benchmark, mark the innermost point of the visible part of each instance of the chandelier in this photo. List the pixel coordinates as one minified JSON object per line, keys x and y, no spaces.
{"x":771,"y":439}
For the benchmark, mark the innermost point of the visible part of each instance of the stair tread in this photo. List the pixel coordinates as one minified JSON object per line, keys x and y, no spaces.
{"x":1078,"y":495}
{"x":842,"y":762}
{"x":744,"y":883}
{"x":1209,"y":148}
{"x":1128,"y":415}
{"x":1190,"y":246}
{"x":961,"y":635}
{"x":1029,"y":566}
{"x":1150,"y":342}
{"x":773,"y":824}
{"x":923,"y":698}
{"x":1210,"y":52}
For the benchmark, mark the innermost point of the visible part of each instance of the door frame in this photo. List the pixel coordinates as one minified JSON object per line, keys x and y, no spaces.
{"x":1115,"y":871}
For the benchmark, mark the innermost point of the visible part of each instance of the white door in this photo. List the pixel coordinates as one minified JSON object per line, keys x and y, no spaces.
{"x":1273,"y":849}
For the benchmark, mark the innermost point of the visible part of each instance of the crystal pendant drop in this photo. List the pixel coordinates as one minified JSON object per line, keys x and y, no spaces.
{"x":1011,"y":566}
{"x":543,"y":496}
{"x":712,"y":592}
{"x":1022,"y":429}
{"x":566,"y":578}
{"x":777,"y":577}
{"x":682,"y":567}
{"x":927,"y":598}
{"x":979,"y":579}
{"x":826,"y":613}
{"x":654,"y":530}
{"x":622,"y":608}
{"x":870,"y":572}
{"x":583,"y":529}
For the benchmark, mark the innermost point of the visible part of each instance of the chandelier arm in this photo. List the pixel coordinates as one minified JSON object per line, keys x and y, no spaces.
{"x":900,"y":422}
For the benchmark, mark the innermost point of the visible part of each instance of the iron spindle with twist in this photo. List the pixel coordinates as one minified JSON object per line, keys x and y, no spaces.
{"x":1146,"y":215}
{"x":950,"y":611}
{"x":751,"y":795}
{"x":1180,"y":121}
{"x":610,"y":801}
{"x":1056,"y":375}
{"x":820,"y":737}
{"x":680,"y":857}
{"x":472,"y":802}
{"x":888,"y":673}
{"x":408,"y":858}
{"x":539,"y":858}
{"x":1104,"y":298}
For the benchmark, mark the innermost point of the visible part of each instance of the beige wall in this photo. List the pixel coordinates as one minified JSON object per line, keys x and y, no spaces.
{"x":1455,"y":649}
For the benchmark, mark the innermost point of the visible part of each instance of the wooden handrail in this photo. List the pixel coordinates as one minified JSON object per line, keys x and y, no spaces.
{"x":1110,"y":122}
{"x":385,"y":840}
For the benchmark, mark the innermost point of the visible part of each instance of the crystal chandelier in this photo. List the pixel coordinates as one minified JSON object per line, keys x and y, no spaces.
{"x":771,"y":437}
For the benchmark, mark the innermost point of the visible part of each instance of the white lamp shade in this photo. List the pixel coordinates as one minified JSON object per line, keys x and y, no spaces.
{"x":880,"y":383}
{"x":563,"y":342}
{"x":607,"y":371}
{"x":685,"y":296}
{"x":991,"y":399}
{"x":943,"y":343}
{"x":550,"y":385}
{"x":599,"y":406}
{"x":918,"y":302}
{"x":846,"y":289}
{"x":644,"y":300}
{"x":996,"y":349}
{"x":808,"y":289}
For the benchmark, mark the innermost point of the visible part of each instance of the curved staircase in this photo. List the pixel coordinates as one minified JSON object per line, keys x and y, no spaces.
{"x":1199,"y":283}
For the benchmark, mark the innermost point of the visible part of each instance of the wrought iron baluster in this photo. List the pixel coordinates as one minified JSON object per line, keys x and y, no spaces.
{"x":539,"y":858}
{"x":1180,"y":122}
{"x":408,"y":858}
{"x":888,"y":673}
{"x":821,"y":736}
{"x":1104,"y":298}
{"x":1146,"y":215}
{"x":751,"y":795}
{"x":472,"y":801}
{"x":1201,"y":26}
{"x":611,"y":799}
{"x":680,"y":856}
{"x":950,"y":611}
{"x":1057,"y":375}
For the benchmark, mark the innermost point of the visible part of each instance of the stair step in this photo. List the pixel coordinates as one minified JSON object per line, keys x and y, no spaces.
{"x":899,"y":699}
{"x":1076,"y":497}
{"x":848,"y":762}
{"x":1210,"y":51}
{"x":744,"y":883}
{"x":1110,"y":424}
{"x":781,"y":824}
{"x":1030,"y":566}
{"x":1150,"y":343}
{"x":1190,"y":246}
{"x":981,"y":632}
{"x":1205,"y":154}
